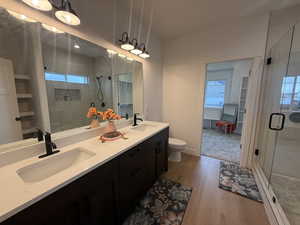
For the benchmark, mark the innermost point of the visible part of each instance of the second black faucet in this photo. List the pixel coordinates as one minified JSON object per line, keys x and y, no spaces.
{"x":49,"y":146}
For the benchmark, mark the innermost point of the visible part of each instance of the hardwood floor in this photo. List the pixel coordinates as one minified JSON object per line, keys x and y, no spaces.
{"x":210,"y":205}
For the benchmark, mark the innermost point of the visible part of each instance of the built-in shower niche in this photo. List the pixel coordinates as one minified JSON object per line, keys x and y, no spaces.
{"x":67,"y":94}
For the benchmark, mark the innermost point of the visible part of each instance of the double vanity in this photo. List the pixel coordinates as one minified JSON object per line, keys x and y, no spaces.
{"x":87,"y":182}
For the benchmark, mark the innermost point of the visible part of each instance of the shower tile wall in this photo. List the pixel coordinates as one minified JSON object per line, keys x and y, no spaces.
{"x":77,"y":106}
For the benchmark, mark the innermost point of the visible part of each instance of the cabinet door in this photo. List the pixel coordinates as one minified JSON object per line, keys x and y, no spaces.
{"x":90,"y":200}
{"x":137,"y":174}
{"x":130,"y":173}
{"x":161,"y":150}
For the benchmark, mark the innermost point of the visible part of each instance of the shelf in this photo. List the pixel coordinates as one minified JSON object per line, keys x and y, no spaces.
{"x":24,"y":114}
{"x":29,"y":131}
{"x":22,"y":77}
{"x":24,"y":95}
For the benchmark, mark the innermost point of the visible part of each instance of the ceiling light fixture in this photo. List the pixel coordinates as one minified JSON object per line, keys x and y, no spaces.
{"x":137,"y":50}
{"x":52,"y":29}
{"x":76,"y":46}
{"x":125,"y":42}
{"x":43,"y":5}
{"x":21,"y":17}
{"x":66,"y":14}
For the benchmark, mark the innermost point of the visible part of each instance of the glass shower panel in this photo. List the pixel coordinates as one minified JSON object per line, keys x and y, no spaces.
{"x":274,"y":74}
{"x":285,"y":177}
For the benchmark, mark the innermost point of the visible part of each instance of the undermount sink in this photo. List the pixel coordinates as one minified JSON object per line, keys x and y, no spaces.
{"x":54,"y":164}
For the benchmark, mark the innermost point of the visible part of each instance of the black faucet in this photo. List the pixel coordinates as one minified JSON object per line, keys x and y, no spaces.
{"x":40,"y":135}
{"x":49,"y":146}
{"x":135,"y":119}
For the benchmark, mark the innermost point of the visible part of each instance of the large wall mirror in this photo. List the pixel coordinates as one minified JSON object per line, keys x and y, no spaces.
{"x":49,"y":78}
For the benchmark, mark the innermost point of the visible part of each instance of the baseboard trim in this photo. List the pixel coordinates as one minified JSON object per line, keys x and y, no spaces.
{"x":273,"y":210}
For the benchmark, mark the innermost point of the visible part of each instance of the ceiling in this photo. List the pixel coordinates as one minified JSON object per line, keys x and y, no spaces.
{"x":173,"y":18}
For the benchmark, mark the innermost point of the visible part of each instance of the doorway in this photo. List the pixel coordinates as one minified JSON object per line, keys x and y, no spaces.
{"x":224,"y":108}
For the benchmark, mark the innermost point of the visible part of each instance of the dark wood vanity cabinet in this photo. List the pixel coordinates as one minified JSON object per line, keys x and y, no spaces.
{"x":105,"y":196}
{"x":86,"y":201}
{"x":161,"y":150}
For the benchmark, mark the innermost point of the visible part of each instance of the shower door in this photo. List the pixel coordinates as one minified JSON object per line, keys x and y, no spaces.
{"x":272,"y":120}
{"x":280,"y":130}
{"x":285,"y":175}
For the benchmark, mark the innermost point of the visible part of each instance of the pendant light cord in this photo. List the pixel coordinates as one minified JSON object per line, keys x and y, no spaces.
{"x":150,"y":25}
{"x":114,"y":21}
{"x":130,"y":17}
{"x":141,"y":21}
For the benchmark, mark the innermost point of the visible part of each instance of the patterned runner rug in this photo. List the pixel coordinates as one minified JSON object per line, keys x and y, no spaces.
{"x":164,"y":204}
{"x":238,"y":180}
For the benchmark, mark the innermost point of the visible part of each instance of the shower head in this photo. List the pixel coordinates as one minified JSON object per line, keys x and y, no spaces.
{"x":98,"y":77}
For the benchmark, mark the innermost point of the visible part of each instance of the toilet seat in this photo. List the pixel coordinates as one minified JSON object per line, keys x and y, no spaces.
{"x":176,"y":143}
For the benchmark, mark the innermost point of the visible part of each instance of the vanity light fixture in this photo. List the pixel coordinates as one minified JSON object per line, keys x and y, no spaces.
{"x":52,"y":29}
{"x":145,"y":53}
{"x":126,"y":44}
{"x":66,"y":14}
{"x":43,"y":5}
{"x":21,"y":17}
{"x":137,"y":49}
{"x":76,"y":46}
{"x":121,"y":55}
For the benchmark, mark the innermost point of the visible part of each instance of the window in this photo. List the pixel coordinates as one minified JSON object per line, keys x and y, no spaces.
{"x":290,"y":91}
{"x":215,"y":93}
{"x":55,"y":77}
{"x":68,"y":78}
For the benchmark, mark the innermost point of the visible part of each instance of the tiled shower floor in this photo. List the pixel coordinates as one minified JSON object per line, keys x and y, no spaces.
{"x":287,"y":190}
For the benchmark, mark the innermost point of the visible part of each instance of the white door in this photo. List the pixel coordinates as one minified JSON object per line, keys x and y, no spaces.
{"x":10,"y":129}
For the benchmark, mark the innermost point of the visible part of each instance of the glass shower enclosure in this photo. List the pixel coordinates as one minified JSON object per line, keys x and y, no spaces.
{"x":279,"y":133}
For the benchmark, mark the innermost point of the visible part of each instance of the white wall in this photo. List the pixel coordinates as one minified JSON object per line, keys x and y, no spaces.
{"x":184,"y":70}
{"x":98,"y":25}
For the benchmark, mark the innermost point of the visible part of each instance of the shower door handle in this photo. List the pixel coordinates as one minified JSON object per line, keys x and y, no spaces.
{"x":282,"y":121}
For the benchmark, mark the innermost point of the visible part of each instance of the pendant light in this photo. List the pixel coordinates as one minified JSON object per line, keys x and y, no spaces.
{"x":144,"y":54}
{"x":66,"y":14}
{"x":137,"y":49}
{"x":125,"y":42}
{"x":21,"y":17}
{"x":52,"y":29}
{"x":43,"y":5}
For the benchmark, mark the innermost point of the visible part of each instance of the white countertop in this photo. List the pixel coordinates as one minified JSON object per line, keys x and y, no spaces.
{"x":16,"y":195}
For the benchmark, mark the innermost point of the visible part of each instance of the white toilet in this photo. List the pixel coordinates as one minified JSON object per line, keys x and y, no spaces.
{"x":176,"y":146}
